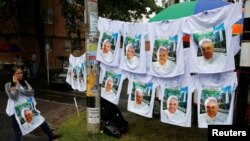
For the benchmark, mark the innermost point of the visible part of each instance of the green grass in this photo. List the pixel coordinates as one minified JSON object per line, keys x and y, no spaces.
{"x":75,"y":129}
{"x":140,"y":129}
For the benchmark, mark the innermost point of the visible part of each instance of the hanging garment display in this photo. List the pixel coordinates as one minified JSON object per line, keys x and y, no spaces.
{"x":166,"y":48}
{"x":111,"y":80}
{"x":108,"y":50}
{"x":211,"y":56}
{"x":76,"y":75}
{"x":216,"y":94}
{"x":133,"y":51}
{"x":176,"y":100}
{"x":141,"y":91}
{"x":212,"y":50}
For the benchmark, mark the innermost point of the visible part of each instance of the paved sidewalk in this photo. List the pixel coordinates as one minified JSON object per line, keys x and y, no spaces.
{"x":55,"y":114}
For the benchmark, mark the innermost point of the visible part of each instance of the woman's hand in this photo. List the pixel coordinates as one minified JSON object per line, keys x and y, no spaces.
{"x":15,"y":80}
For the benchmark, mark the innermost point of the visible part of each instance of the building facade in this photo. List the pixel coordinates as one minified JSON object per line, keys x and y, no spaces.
{"x":26,"y":34}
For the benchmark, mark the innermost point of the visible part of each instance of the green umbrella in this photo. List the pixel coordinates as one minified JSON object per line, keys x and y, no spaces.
{"x":176,"y":11}
{"x":186,"y":9}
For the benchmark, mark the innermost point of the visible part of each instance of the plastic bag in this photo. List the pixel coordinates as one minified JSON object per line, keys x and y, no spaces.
{"x":110,"y":128}
{"x":112,"y":119}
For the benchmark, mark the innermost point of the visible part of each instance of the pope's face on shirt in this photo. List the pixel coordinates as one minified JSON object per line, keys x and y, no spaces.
{"x":130,"y":53}
{"x":106,"y":47}
{"x":109,"y":85}
{"x":212,"y":108}
{"x":28,"y":116}
{"x":207,"y":49}
{"x":138,"y":97}
{"x":163,"y":56}
{"x":172,"y":106}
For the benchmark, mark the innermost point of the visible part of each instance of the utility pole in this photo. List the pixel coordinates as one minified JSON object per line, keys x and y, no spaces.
{"x":47,"y":49}
{"x":91,"y":43}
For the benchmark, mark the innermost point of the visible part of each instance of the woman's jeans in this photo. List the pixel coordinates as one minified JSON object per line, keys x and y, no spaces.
{"x":17,"y":132}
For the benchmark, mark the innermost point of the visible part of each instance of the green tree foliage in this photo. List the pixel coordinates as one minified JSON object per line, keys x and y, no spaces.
{"x":74,"y":15}
{"x":126,"y":10}
{"x":73,"y":12}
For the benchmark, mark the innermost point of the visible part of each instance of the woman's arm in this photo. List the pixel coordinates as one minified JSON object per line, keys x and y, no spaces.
{"x":12,"y":92}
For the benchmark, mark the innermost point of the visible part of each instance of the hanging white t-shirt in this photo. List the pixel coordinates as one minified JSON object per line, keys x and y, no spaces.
{"x":76,"y":75}
{"x":186,"y":52}
{"x":111,"y":80}
{"x":176,"y":100}
{"x":26,"y":114}
{"x":141,"y":90}
{"x":216,"y":92}
{"x":108,"y":51}
{"x":211,"y":39}
{"x":133,"y":51}
{"x":166,"y":48}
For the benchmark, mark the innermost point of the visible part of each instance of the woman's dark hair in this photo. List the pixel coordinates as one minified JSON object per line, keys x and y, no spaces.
{"x":13,"y":71}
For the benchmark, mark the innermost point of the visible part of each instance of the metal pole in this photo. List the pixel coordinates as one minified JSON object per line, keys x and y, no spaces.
{"x":47,"y":58}
{"x":77,"y":110}
{"x":92,"y":93}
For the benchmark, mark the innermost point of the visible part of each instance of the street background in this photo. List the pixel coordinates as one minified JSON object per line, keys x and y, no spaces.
{"x":58,"y":106}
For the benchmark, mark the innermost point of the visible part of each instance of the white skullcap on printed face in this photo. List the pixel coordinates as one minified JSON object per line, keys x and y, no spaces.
{"x":106,"y":41}
{"x":109,"y":79}
{"x":210,"y":99}
{"x":140,"y":92}
{"x":172,"y":97}
{"x":204,"y":40}
{"x":130,"y":45}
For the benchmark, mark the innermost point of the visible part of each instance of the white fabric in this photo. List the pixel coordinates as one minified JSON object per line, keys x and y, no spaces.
{"x":22,"y":103}
{"x":167,"y":34}
{"x":220,"y":86}
{"x":76,"y":75}
{"x":181,"y":87}
{"x":217,"y":26}
{"x":117,"y":77}
{"x":10,"y":107}
{"x":146,"y":85}
{"x":244,"y":54}
{"x":148,"y":59}
{"x":186,"y":52}
{"x":236,"y":44}
{"x":134,"y":35}
{"x":109,"y":30}
{"x":216,"y":60}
